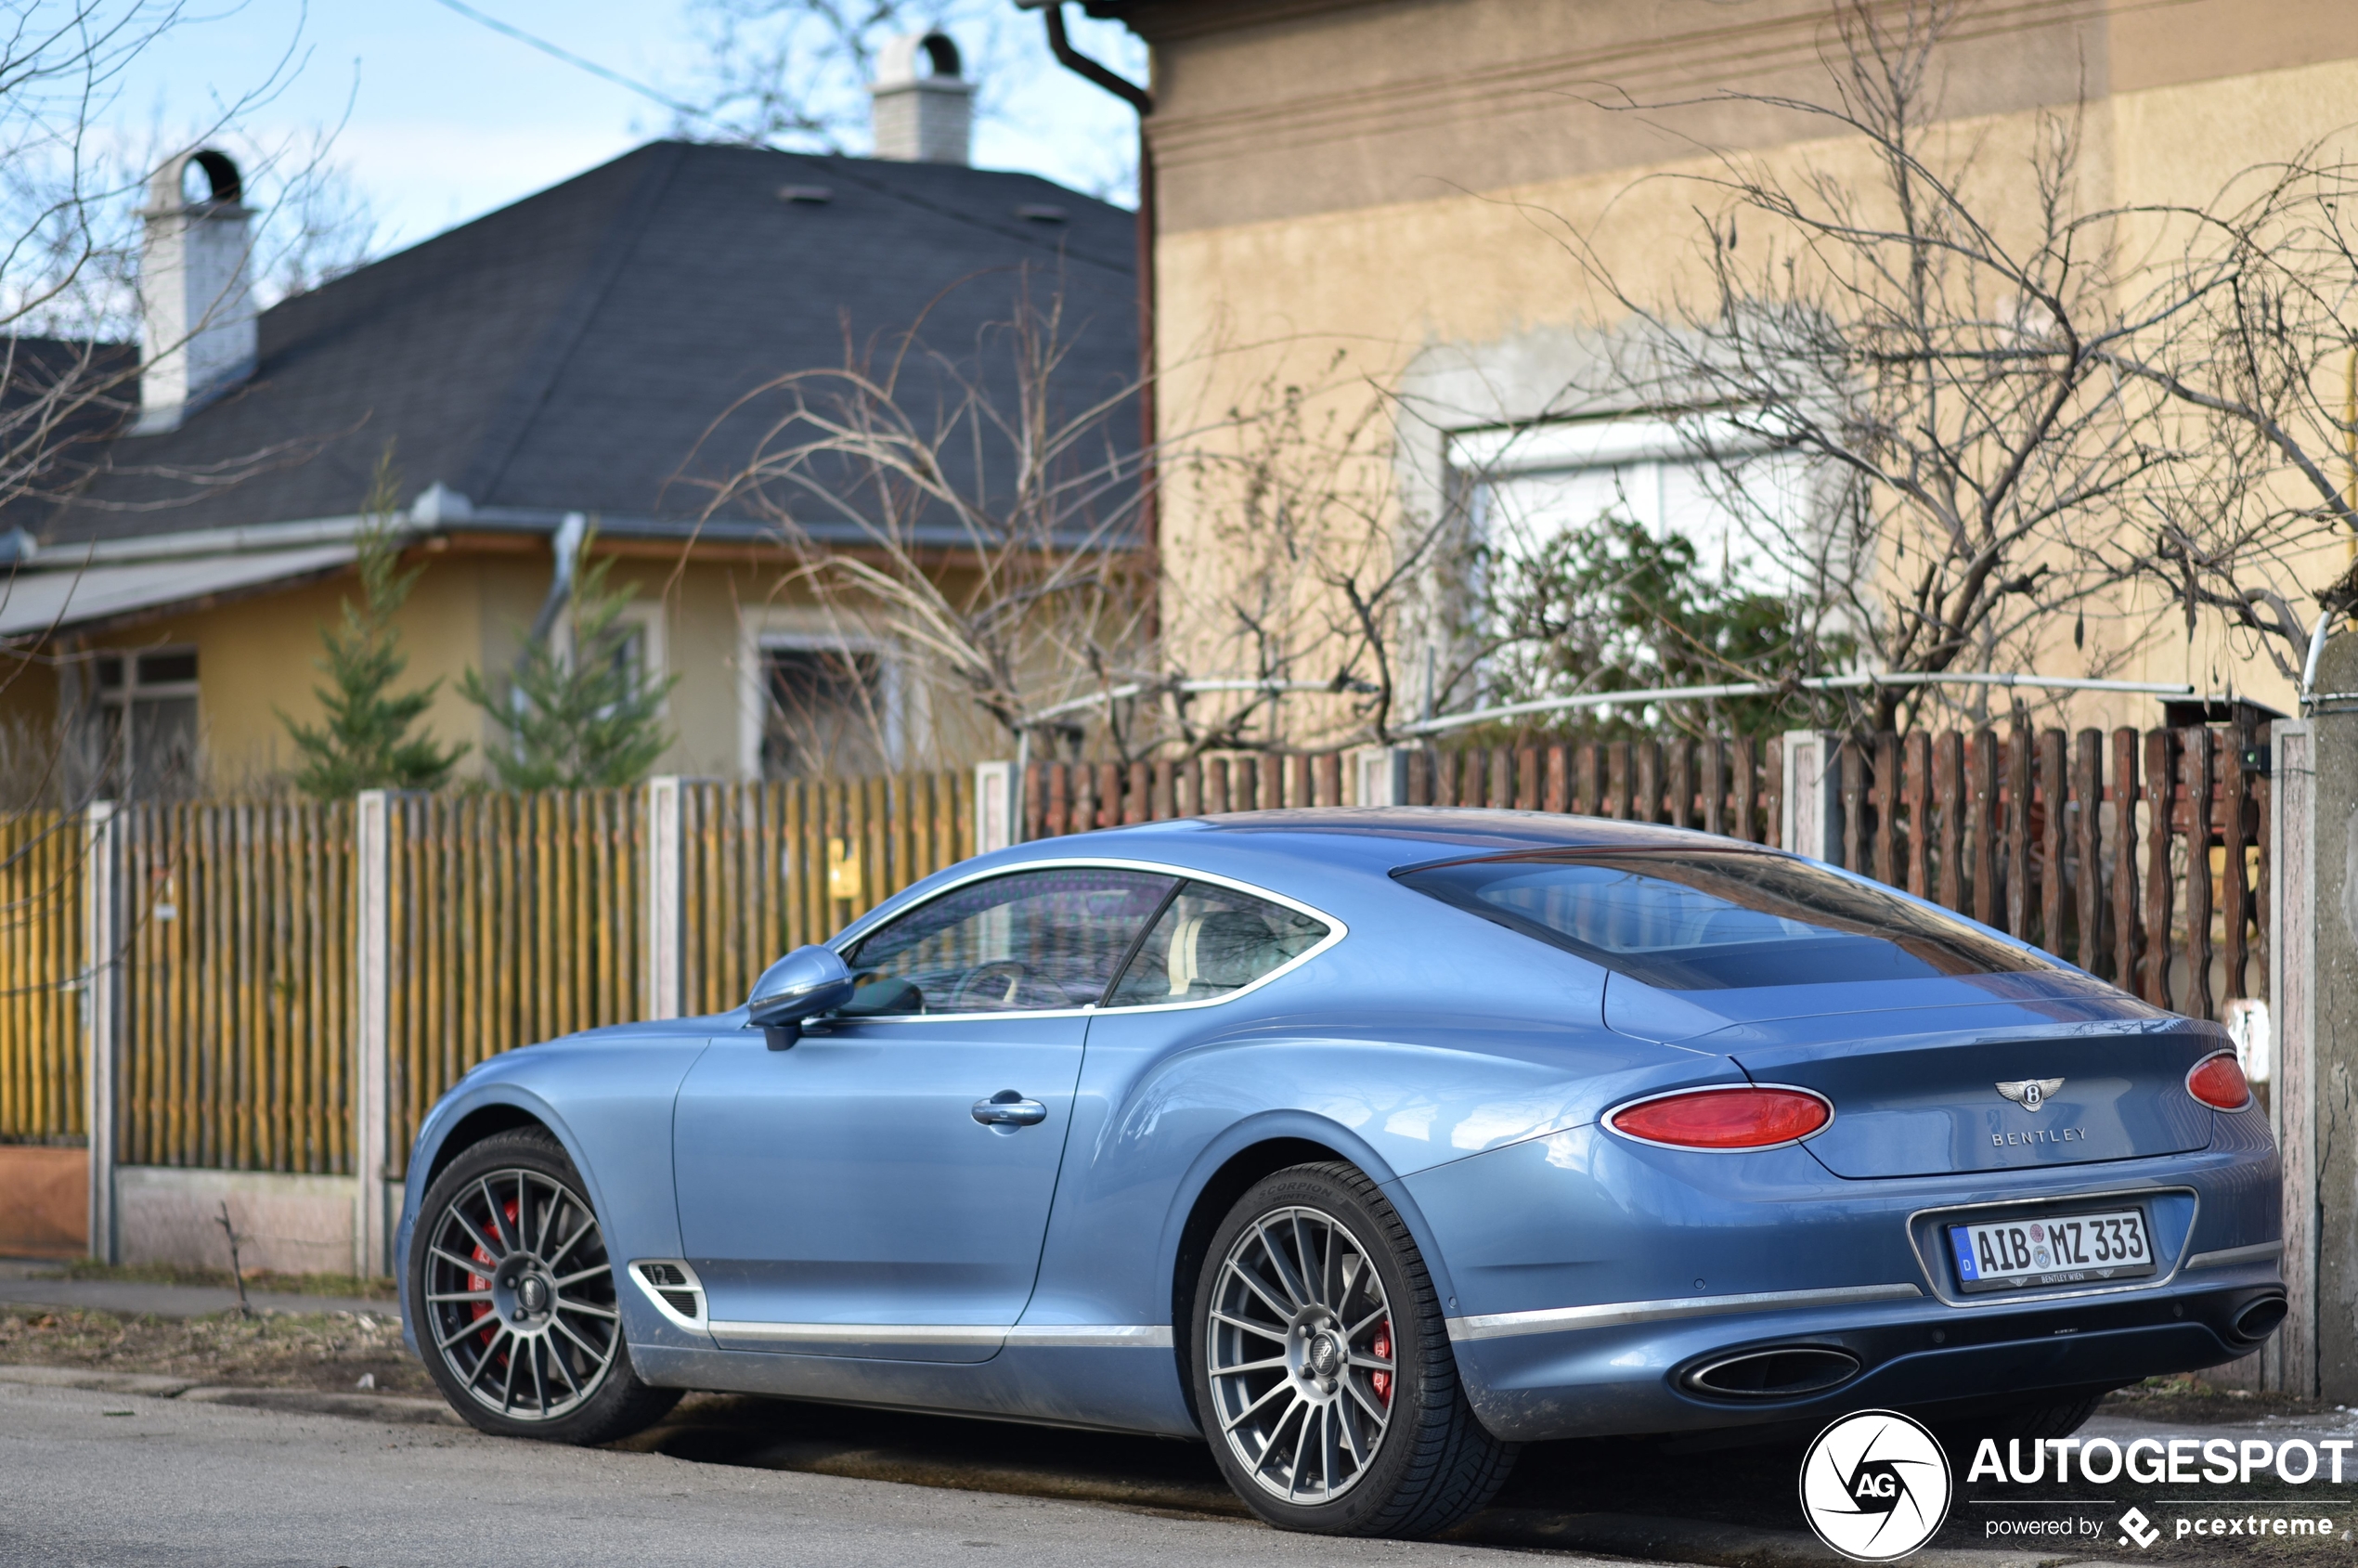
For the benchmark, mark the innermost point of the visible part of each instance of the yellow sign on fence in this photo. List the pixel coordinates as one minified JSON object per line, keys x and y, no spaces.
{"x":843,"y":868}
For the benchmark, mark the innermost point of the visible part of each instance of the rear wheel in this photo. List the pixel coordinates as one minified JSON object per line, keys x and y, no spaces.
{"x":514,"y":1296}
{"x":1323,"y":1369}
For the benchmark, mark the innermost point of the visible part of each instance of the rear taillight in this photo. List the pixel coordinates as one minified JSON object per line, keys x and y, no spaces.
{"x":1742,"y":1116}
{"x":2218,"y":1083}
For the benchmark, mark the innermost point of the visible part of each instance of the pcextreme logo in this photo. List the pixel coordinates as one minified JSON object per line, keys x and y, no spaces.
{"x":1875,"y":1486}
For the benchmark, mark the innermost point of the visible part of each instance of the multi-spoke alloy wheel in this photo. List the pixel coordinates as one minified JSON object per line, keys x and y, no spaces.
{"x":1299,"y":1355}
{"x":514,"y":1298}
{"x":520,"y":1294}
{"x":1322,"y":1367}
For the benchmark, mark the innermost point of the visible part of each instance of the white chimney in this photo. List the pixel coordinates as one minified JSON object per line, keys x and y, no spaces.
{"x":925,"y":118}
{"x":196,"y":293}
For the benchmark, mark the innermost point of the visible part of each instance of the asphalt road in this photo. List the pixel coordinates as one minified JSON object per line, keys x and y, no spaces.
{"x":91,"y":1478}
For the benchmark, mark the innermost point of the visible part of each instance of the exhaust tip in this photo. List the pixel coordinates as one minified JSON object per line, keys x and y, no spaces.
{"x":2259,"y":1319}
{"x":1784,"y":1372}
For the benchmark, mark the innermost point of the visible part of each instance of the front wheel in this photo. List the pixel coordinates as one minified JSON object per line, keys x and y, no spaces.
{"x":514,"y":1297}
{"x":1323,"y":1369}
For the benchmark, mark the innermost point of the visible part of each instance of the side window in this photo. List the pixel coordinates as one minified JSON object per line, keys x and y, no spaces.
{"x":1024,"y":943}
{"x":1210,"y":941}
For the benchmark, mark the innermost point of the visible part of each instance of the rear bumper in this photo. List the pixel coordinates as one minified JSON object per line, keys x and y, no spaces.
{"x":1627,"y":1379}
{"x":1588,"y":1278}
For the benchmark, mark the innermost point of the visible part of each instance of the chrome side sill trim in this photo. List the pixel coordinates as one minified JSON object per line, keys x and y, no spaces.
{"x":1044,"y":1336}
{"x":1548,"y":1320}
{"x":2228,"y":1257}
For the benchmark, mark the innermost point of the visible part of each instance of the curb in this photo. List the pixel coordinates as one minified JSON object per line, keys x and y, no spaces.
{"x":1687,"y":1540}
{"x":388,"y":1408}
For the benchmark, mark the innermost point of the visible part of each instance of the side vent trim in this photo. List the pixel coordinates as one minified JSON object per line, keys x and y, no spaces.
{"x":674,"y":1289}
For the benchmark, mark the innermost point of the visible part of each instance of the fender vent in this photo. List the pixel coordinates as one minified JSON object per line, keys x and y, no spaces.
{"x":675,"y":1289}
{"x":1786,"y":1372}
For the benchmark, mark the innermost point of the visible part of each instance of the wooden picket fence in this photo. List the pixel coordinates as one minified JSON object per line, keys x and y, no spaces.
{"x":233,"y":972}
{"x":42,"y":967}
{"x":2139,"y":856}
{"x":512,"y":918}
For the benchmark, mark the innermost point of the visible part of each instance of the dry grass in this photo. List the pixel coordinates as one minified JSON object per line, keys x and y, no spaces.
{"x":324,"y":1351}
{"x":356,"y":1286}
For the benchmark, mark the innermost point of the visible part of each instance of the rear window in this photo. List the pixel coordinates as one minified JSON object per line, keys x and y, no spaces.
{"x":1714,"y":919}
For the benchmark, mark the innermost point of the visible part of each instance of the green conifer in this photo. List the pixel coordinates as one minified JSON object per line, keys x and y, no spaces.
{"x":584,"y":716}
{"x":366,"y":743}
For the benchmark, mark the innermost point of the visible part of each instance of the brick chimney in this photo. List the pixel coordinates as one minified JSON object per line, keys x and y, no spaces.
{"x":922,"y":111}
{"x":196,"y":295}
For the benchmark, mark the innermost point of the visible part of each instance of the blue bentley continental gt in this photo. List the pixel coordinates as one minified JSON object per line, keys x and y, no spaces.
{"x":1364,"y":1145}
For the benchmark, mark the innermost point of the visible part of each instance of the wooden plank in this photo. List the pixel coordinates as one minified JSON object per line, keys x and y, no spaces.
{"x":1850,"y":758}
{"x":2018,"y":830}
{"x":1915,"y":798}
{"x":1587,"y":781}
{"x":1772,"y":791}
{"x":1981,"y":823}
{"x":1646,"y":780}
{"x":1883,"y":797}
{"x":1271,"y":785}
{"x":1742,"y":791}
{"x":2162,"y":757}
{"x":1556,"y":793}
{"x":2235,"y":889}
{"x":2124,"y":792}
{"x":2087,"y":849}
{"x":1680,"y":765}
{"x":2054,"y":793}
{"x":2196,"y":750}
{"x":1617,"y":781}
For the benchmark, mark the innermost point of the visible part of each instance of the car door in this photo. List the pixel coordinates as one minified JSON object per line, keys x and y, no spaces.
{"x":881,"y":1189}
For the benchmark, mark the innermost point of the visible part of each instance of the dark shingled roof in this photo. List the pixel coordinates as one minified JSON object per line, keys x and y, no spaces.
{"x":570,"y":352}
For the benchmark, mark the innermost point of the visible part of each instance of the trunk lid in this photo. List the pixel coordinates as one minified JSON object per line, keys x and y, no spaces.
{"x":1916,"y":1088}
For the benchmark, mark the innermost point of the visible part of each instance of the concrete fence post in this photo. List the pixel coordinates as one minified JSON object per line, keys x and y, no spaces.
{"x":995,"y":806}
{"x":98,"y":1021}
{"x":663,"y":893}
{"x":1381,"y":775}
{"x":2288,"y":1362}
{"x":1812,"y":821}
{"x":372,"y":1031}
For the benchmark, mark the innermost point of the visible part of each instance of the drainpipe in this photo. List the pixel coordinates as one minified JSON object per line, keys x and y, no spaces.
{"x":1139,"y":98}
{"x":567,"y":548}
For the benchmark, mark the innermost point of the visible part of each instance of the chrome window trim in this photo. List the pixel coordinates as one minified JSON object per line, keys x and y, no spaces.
{"x":859,"y":931}
{"x":1936,"y":1272}
{"x":1607,"y":1314}
{"x":1606,"y":1119}
{"x":1024,"y":1336}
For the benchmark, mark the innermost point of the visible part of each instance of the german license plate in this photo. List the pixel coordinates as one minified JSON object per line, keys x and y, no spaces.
{"x":2024,"y":1255}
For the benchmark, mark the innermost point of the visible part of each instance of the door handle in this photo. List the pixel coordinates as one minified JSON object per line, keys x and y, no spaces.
{"x":1007,"y":1108}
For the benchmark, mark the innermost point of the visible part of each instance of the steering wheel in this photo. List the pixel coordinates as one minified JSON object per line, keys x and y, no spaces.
{"x":993,"y":985}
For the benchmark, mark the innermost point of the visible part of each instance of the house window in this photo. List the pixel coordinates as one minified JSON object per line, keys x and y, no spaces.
{"x":1746,"y":507}
{"x":825,"y":711}
{"x":143,"y":731}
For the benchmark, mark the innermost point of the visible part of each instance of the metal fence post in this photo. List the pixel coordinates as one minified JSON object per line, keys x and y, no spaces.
{"x":373,"y":977}
{"x":663,"y":885}
{"x":2289,"y":1360}
{"x":1812,"y":810}
{"x":995,"y":806}
{"x":98,"y":1021}
{"x":1380,"y":774}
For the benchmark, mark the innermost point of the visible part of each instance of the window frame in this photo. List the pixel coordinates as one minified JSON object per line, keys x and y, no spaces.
{"x":765,"y":628}
{"x":860,"y":930}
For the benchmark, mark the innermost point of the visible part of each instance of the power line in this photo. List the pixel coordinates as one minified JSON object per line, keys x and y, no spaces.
{"x":558,"y":52}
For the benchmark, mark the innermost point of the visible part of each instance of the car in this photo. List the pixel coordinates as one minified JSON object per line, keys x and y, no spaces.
{"x":1366,"y":1145}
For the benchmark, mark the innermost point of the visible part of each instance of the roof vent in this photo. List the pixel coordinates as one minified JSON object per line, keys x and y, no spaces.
{"x":921,"y":110}
{"x":814,"y":194}
{"x":1039,"y":212}
{"x":196,"y":296}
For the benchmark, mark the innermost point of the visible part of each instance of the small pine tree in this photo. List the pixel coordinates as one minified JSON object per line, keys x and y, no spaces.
{"x":365,"y":742}
{"x":589,"y":716}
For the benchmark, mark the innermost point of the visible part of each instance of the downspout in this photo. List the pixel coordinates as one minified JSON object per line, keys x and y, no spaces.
{"x":1139,"y":98}
{"x":567,"y":548}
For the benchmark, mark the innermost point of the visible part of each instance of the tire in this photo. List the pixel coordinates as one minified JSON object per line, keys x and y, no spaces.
{"x":1399,"y":1452}
{"x":507,"y":1240}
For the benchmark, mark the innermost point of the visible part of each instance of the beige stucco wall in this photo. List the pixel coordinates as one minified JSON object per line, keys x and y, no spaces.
{"x":1351,"y":193}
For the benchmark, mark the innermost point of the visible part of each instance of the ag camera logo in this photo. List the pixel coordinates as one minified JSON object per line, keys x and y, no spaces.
{"x":1875,"y":1486}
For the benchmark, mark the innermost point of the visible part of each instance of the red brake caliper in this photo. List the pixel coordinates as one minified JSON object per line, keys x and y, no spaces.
{"x":1381,"y":1382}
{"x":483,"y":1281}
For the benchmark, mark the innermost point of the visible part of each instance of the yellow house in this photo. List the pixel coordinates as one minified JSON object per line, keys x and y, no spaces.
{"x":596,"y":352}
{"x":1381,"y":201}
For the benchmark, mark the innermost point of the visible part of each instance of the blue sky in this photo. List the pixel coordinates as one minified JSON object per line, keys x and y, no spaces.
{"x":443,"y":120}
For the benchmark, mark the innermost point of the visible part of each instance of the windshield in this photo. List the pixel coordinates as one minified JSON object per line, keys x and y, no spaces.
{"x":1716,"y":919}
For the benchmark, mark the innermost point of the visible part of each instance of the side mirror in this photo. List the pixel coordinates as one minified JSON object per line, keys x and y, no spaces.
{"x":806,"y":981}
